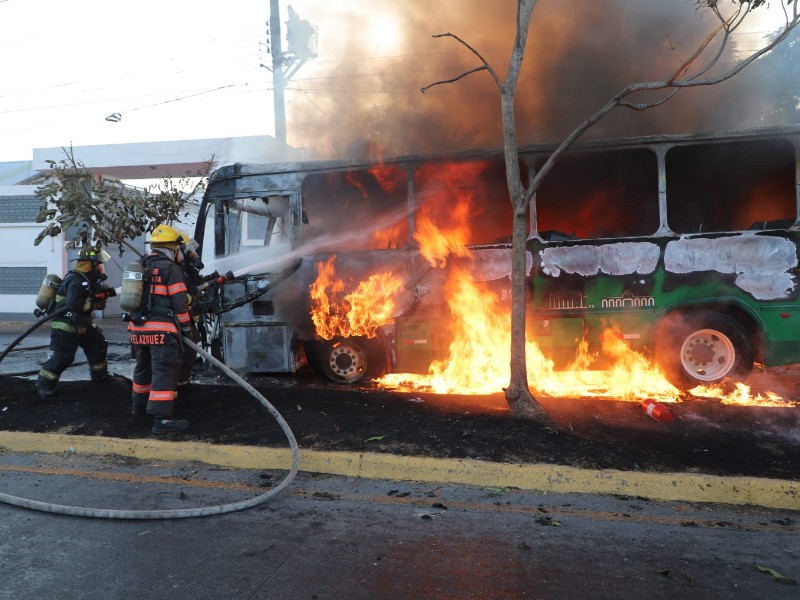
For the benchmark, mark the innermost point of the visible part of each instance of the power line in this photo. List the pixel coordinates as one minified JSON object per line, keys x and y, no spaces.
{"x":216,"y":89}
{"x":107,"y":100}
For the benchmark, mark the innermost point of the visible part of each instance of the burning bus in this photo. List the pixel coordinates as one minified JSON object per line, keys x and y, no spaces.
{"x":681,"y":249}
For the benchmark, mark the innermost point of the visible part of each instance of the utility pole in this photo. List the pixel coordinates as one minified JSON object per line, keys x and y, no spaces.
{"x":302,"y":47}
{"x":278,"y":79}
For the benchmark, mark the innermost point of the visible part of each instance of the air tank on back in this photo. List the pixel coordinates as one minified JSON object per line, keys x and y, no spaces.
{"x":130,"y":298}
{"x":47,"y":292}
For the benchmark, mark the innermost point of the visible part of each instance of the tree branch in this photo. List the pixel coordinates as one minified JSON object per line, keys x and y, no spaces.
{"x":673,"y":85}
{"x":454,"y":79}
{"x":486,"y":66}
{"x":113,"y":213}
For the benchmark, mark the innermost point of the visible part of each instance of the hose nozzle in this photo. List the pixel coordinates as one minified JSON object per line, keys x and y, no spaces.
{"x":217,"y":280}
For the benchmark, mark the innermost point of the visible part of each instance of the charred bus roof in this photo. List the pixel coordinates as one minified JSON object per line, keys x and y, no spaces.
{"x":289,"y":171}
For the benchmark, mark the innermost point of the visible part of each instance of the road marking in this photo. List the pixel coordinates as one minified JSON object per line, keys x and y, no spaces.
{"x":552,"y":512}
{"x":131,"y":478}
{"x":682,"y":487}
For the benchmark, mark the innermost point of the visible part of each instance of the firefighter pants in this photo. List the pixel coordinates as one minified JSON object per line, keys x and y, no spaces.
{"x":189,"y":355}
{"x":155,"y":376}
{"x":64,"y":345}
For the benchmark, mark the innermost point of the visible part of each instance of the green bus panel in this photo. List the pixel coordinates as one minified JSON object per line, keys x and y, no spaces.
{"x":419,"y":342}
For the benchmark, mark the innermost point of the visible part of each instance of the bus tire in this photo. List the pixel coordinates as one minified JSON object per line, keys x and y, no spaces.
{"x":703,"y":348}
{"x":348,"y":360}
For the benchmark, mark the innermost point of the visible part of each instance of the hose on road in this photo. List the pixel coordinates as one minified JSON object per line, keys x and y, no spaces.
{"x":31,"y":329}
{"x":182,"y":513}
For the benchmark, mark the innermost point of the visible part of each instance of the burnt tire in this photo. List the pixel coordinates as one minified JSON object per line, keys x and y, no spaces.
{"x":703,"y":348}
{"x":348,"y":360}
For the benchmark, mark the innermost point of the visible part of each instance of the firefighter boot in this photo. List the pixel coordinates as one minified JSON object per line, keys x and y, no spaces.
{"x":169,"y":425}
{"x":45,"y":387}
{"x":98,"y":376}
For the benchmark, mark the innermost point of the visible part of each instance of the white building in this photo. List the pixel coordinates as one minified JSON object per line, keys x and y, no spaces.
{"x":23,"y":266}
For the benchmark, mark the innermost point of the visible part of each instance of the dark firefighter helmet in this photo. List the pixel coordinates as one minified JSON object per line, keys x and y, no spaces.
{"x":93,"y":255}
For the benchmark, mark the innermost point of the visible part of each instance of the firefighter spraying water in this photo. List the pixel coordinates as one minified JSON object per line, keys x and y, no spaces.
{"x":157,"y":326}
{"x":159,"y":298}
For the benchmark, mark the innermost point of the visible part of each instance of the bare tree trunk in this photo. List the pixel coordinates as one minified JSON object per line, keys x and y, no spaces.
{"x":518,"y":394}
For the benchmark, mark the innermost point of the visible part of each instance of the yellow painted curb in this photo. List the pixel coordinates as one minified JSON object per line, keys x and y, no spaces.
{"x":684,"y":487}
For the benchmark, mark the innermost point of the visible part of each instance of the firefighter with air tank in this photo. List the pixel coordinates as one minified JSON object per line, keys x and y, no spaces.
{"x":196,"y":285}
{"x":159,"y":296}
{"x":191,"y":265}
{"x":80,"y":292}
{"x":154,"y":297}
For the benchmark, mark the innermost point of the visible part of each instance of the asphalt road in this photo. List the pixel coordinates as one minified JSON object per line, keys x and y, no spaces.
{"x":329,"y":537}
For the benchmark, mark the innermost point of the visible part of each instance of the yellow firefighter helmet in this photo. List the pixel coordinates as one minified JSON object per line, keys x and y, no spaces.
{"x":188,"y":242}
{"x":164,"y":234}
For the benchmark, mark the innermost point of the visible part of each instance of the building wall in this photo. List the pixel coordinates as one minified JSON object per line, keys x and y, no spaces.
{"x":23,"y":265}
{"x":21,"y":280}
{"x":19,"y":208}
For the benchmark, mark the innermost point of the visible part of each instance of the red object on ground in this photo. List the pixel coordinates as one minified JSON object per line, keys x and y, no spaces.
{"x":659,"y":412}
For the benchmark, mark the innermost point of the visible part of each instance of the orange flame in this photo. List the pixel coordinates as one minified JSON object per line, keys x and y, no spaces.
{"x":479,"y":354}
{"x":387,"y":177}
{"x":742,"y":395}
{"x":437,"y":245}
{"x":359,"y":313}
{"x":396,"y":235}
{"x":478,"y":362}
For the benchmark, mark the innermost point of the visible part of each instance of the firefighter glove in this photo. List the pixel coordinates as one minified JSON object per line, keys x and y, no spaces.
{"x":105,"y":294}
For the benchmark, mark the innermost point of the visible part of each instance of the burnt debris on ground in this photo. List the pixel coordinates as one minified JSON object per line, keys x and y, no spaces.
{"x":706,"y":437}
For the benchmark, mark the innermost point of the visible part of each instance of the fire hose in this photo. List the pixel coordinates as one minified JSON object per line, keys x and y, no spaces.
{"x":31,"y":329}
{"x":182,"y":513}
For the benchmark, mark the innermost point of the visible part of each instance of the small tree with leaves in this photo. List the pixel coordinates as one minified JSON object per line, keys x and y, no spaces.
{"x":696,"y":70}
{"x":108,"y":213}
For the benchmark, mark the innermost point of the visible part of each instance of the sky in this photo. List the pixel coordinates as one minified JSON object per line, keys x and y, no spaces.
{"x":192,"y":69}
{"x":172,"y":70}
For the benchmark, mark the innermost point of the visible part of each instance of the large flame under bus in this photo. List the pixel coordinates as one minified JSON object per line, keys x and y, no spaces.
{"x":684,"y":248}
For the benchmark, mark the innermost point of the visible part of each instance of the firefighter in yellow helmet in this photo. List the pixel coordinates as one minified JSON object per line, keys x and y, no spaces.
{"x":156,"y":331}
{"x":81,"y":291}
{"x":191,"y":265}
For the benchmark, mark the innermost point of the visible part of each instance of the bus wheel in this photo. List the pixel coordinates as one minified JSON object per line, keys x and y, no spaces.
{"x":347,"y":360}
{"x":703,"y":349}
